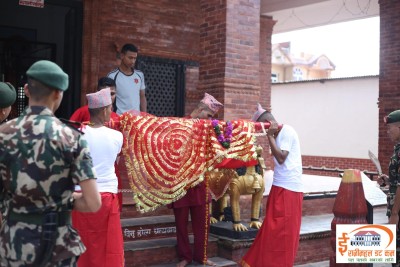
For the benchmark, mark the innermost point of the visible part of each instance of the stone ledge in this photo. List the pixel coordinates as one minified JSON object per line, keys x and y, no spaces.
{"x":225,"y":229}
{"x":316,"y":235}
{"x":157,"y":243}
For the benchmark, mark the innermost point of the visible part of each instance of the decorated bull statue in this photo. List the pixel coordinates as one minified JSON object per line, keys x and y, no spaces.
{"x":246,"y":181}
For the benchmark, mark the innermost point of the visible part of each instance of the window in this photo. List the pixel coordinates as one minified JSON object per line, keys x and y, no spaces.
{"x":297,"y":74}
{"x":274,"y":78}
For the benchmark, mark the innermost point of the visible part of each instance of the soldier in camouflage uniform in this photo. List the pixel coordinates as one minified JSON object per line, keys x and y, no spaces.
{"x":393,"y":198}
{"x":41,"y":160}
{"x":7,"y":99}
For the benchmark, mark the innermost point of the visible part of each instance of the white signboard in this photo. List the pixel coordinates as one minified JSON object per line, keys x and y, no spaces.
{"x":33,"y":3}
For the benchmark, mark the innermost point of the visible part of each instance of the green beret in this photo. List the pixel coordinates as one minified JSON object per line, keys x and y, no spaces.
{"x":393,"y":117}
{"x":48,"y":73}
{"x":7,"y":95}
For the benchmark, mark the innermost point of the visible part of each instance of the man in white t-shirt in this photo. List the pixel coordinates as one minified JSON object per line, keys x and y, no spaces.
{"x":129,"y":82}
{"x":280,"y":231}
{"x":101,"y":231}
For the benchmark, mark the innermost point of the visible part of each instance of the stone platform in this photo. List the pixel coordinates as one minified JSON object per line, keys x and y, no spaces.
{"x":156,"y":245}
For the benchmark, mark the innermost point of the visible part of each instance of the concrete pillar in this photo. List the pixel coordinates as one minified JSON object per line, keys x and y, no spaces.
{"x":350,"y":208}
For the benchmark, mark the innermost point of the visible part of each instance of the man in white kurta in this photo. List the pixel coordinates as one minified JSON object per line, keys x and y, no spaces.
{"x":101,"y":231}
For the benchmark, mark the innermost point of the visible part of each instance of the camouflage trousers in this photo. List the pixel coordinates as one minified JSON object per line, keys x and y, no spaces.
{"x":397,"y":264}
{"x":71,"y":262}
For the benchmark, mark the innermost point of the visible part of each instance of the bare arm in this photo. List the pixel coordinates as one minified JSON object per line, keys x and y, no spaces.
{"x":143,"y":101}
{"x":280,"y":155}
{"x":89,"y":199}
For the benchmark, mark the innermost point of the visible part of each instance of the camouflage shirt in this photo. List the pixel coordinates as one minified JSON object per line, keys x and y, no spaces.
{"x":394,"y":178}
{"x":41,"y":160}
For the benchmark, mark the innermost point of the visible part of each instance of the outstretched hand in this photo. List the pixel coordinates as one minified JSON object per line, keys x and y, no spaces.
{"x":383,"y":180}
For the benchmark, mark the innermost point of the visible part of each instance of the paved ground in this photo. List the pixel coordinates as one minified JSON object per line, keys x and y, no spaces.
{"x":323,"y":222}
{"x":320,"y":223}
{"x":326,"y":264}
{"x":310,"y":224}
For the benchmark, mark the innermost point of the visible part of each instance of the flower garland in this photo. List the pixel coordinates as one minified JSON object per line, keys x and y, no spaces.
{"x":224,"y":139}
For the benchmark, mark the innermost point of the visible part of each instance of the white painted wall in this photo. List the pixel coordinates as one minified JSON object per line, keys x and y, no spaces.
{"x":334,"y":118}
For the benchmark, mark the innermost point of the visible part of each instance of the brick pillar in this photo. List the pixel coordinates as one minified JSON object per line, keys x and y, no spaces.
{"x":230,"y":55}
{"x":266,"y":27}
{"x":91,"y":46}
{"x":389,"y":79}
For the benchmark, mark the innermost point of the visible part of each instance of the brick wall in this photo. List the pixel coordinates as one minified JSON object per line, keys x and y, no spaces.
{"x":314,"y":250}
{"x":224,"y":38}
{"x":158,"y":28}
{"x":389,"y":79}
{"x":192,"y":95}
{"x":333,"y":162}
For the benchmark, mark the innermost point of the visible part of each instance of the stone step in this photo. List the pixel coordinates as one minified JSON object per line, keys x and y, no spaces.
{"x":326,"y":264}
{"x":145,"y":228}
{"x":150,"y":238}
{"x":159,"y":251}
{"x":220,"y":262}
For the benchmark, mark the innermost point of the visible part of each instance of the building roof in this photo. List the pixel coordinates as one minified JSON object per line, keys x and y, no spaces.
{"x":362,"y":233}
{"x":281,"y":55}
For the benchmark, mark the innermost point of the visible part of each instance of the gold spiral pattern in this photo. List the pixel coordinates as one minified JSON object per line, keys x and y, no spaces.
{"x":166,"y":156}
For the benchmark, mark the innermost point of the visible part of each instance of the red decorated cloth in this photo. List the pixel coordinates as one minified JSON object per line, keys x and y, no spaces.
{"x":235,"y":163}
{"x":165,"y":157}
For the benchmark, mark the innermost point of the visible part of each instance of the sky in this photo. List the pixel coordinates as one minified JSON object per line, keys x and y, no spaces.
{"x":352,"y":46}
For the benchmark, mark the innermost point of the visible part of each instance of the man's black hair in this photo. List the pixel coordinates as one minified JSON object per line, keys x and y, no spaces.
{"x":129,"y":47}
{"x":105,"y":82}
